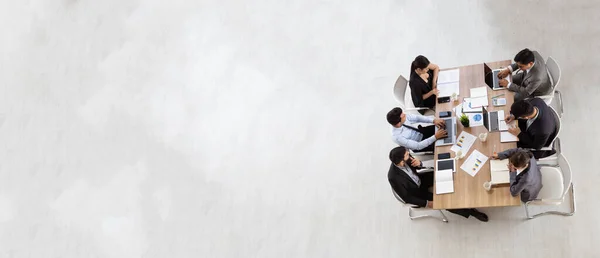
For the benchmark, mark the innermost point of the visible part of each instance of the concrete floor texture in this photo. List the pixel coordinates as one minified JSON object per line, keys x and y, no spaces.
{"x":257,"y":128}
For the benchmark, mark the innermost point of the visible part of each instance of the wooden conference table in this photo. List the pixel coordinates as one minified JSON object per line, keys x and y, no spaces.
{"x":468,"y":190}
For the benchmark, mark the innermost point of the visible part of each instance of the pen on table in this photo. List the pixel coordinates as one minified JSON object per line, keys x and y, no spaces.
{"x":498,"y":96}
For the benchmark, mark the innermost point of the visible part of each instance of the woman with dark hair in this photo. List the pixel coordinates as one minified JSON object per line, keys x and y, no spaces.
{"x":423,"y":82}
{"x":525,"y":175}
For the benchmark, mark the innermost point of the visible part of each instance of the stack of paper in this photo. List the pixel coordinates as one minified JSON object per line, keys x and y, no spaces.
{"x":499,"y":172}
{"x":479,"y":97}
{"x":444,"y":182}
{"x":474,"y":163}
{"x":463,"y":142}
{"x":508,"y":137}
{"x":448,"y":83}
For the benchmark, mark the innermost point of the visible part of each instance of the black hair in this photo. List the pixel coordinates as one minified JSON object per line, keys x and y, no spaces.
{"x":393,"y":117}
{"x":420,"y":62}
{"x":525,"y":56}
{"x":397,"y":154}
{"x":520,"y":158}
{"x":521,"y":108}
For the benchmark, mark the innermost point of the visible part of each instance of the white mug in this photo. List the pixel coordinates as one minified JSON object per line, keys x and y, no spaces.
{"x":487,"y":186}
{"x":483,"y":137}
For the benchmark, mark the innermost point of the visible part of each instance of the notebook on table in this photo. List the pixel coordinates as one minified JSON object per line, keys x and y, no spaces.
{"x":499,"y":172}
{"x":444,"y":181}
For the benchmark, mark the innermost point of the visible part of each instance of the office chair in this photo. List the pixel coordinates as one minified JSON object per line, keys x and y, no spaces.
{"x":402,"y":92}
{"x":557,"y":183}
{"x":411,"y":207}
{"x":554,"y":72}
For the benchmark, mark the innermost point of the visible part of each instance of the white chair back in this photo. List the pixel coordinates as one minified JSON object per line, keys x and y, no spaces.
{"x":558,"y":125}
{"x":554,"y":71}
{"x":400,"y":90}
{"x":565,"y":168}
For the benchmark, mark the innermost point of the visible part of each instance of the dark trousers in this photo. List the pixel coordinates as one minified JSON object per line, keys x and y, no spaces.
{"x":427,"y":181}
{"x":427,"y":132}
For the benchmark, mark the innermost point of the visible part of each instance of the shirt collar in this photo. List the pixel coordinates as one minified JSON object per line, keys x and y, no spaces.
{"x":530,"y":67}
{"x":536,"y":115}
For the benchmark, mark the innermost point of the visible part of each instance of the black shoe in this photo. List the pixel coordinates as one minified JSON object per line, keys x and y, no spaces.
{"x":479,"y":215}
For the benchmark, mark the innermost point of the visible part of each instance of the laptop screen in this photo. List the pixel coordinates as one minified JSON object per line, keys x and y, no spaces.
{"x":486,"y":120}
{"x":488,"y":76}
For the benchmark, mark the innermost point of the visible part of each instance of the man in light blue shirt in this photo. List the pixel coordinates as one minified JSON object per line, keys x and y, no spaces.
{"x":406,"y":133}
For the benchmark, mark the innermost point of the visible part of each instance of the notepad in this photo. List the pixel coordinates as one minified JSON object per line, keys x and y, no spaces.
{"x":508,"y":137}
{"x":448,"y":88}
{"x":499,"y":172}
{"x":448,"y":76}
{"x":479,"y":92}
{"x":444,"y":181}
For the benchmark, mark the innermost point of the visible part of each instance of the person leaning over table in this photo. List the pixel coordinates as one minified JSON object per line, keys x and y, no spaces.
{"x":423,"y":82}
{"x":525,"y":175}
{"x":406,"y":133}
{"x":537,"y":126}
{"x":413,"y":187}
{"x":533,"y":81}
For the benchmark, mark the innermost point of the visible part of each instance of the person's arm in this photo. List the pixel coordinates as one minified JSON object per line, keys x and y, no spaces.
{"x":429,"y":94}
{"x":516,"y":187}
{"x":436,"y":70}
{"x":414,"y":145}
{"x":419,"y":118}
{"x":512,"y":67}
{"x":525,"y":89}
{"x":507,"y":153}
{"x":404,"y":194}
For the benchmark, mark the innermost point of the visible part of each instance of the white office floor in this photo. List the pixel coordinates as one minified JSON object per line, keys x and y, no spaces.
{"x":257,"y":128}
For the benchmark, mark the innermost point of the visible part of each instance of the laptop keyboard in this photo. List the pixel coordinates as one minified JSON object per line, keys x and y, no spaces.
{"x":450,"y":130}
{"x":494,"y":121}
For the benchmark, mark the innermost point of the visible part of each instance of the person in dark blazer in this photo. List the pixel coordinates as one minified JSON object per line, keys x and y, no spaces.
{"x":533,"y":81}
{"x":413,"y":187}
{"x":423,"y":82}
{"x":537,"y":126}
{"x":525,"y":175}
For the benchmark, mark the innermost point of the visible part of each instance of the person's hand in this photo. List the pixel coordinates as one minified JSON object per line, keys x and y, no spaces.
{"x":441,"y":133}
{"x":435,"y":91}
{"x":430,"y":204}
{"x":502,"y":74}
{"x":495,"y":156}
{"x":440,"y":123}
{"x":508,"y":119}
{"x":515,"y":131}
{"x":415,"y":162}
{"x":503,"y":83}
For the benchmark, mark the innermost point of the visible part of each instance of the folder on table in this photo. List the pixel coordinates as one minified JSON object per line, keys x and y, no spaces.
{"x":444,"y":181}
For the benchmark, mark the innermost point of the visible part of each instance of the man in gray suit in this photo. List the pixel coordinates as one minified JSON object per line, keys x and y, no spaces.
{"x":525,"y":175}
{"x":533,"y":81}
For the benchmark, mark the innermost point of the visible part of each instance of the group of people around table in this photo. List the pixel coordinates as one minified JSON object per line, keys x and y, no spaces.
{"x":536,"y":128}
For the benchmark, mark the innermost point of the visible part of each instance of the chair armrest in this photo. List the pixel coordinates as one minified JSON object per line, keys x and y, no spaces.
{"x":548,"y":165}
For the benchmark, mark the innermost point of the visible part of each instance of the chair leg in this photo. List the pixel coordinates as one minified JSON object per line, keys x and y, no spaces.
{"x":410,"y":215}
{"x":570,"y":213}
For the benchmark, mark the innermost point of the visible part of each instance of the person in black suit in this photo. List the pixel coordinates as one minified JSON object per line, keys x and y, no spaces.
{"x":537,"y":125}
{"x":423,"y":82}
{"x":413,"y":187}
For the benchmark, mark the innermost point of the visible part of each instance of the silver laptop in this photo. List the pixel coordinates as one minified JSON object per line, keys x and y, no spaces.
{"x":451,"y":128}
{"x":491,"y":77}
{"x":494,"y":121}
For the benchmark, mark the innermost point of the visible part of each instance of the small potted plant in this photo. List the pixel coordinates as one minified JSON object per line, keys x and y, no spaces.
{"x":464,"y":120}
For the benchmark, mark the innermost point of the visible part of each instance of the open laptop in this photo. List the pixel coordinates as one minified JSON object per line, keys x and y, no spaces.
{"x":451,"y":128}
{"x":494,"y":121}
{"x":491,"y":77}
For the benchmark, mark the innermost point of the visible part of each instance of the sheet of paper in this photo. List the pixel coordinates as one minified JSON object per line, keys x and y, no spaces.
{"x":444,"y":183}
{"x":446,"y":89}
{"x":479,"y":92}
{"x":499,"y":101}
{"x":508,"y":137}
{"x":468,"y":107}
{"x":478,"y":102}
{"x":474,"y":163}
{"x":464,"y":141}
{"x":448,"y":76}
